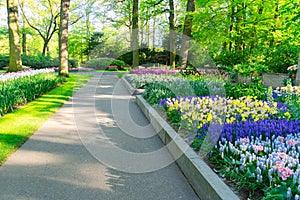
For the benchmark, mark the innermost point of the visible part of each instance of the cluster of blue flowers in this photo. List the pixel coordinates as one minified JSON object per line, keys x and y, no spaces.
{"x":265,"y":128}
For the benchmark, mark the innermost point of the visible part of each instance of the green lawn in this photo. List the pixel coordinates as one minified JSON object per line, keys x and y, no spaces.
{"x":18,"y":126}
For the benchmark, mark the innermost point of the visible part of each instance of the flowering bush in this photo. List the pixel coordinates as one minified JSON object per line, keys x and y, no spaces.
{"x":20,"y":87}
{"x":112,"y":68}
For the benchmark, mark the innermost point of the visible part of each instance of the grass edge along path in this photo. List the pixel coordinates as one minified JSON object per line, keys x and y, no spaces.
{"x":16,"y":127}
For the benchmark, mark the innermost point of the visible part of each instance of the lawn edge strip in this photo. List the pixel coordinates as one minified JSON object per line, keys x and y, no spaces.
{"x":203,"y":180}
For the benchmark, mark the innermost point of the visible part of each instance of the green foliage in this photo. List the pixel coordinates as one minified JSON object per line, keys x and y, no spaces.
{"x":230,"y":58}
{"x":4,"y":61}
{"x":25,"y":89}
{"x":281,"y":57}
{"x":39,"y":61}
{"x":156,"y":91}
{"x":104,"y":63}
{"x":249,"y":69}
{"x":120,"y":63}
{"x":94,"y":43}
{"x":161,"y":90}
{"x":147,"y":56}
{"x":73,"y":63}
{"x":245,"y":89}
{"x":98,"y":64}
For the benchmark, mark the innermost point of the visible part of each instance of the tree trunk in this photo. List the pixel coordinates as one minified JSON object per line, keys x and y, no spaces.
{"x":24,"y":35}
{"x":187,"y":33}
{"x":24,"y":41}
{"x":15,"y":61}
{"x":63,"y":38}
{"x":153,"y":32}
{"x":45,"y":46}
{"x":135,"y":34}
{"x":298,"y":72}
{"x":231,"y":27}
{"x":172,"y":43}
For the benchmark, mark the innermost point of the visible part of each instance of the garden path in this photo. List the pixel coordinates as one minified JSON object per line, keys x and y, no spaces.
{"x":74,"y":155}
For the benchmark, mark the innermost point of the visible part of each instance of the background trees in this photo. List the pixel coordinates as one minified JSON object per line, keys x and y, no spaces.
{"x":229,"y":31}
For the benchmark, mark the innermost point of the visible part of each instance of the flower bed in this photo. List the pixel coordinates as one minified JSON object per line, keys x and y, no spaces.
{"x":153,"y":71}
{"x":19,"y":87}
{"x":257,"y":146}
{"x":141,"y":80}
{"x":78,"y":69}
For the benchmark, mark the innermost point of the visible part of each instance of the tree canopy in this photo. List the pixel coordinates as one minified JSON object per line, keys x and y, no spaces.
{"x":228,"y":31}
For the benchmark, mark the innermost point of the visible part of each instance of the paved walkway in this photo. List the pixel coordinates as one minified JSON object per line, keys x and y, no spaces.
{"x":97,"y":146}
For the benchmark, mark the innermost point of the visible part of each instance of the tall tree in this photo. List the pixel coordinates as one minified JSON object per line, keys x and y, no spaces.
{"x":172,"y":43}
{"x":187,"y":32}
{"x":15,"y":61}
{"x":135,"y":34}
{"x":63,"y":38}
{"x":44,"y":21}
{"x":24,"y":34}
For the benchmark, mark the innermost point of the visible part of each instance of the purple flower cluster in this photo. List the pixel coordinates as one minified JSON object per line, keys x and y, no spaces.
{"x":78,"y":69}
{"x":248,"y":129}
{"x":153,"y":71}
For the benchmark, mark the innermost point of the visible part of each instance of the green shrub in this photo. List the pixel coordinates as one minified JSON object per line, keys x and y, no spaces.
{"x":39,"y":61}
{"x":98,"y":64}
{"x":4,"y":61}
{"x":249,"y":69}
{"x":147,"y":55}
{"x":156,"y":91}
{"x":103,"y":63}
{"x":231,"y":58}
{"x":119,"y":63}
{"x":73,"y":63}
{"x":280,"y":58}
{"x":245,"y":89}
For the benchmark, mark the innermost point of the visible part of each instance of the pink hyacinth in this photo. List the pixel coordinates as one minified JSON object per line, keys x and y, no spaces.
{"x":246,"y":140}
{"x":285,"y":173}
{"x":292,"y":142}
{"x":282,"y":155}
{"x":259,"y":148}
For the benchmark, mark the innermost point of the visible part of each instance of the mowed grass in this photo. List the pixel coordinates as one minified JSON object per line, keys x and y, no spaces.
{"x":16,"y":127}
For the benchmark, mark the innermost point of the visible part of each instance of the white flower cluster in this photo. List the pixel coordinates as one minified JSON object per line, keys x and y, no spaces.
{"x":16,"y":75}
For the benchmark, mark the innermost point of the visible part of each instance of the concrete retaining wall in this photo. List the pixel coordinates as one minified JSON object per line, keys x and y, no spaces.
{"x":274,"y":79}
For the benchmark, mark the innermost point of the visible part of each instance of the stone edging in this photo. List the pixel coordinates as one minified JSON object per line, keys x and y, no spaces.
{"x":131,"y":90}
{"x":204,"y":181}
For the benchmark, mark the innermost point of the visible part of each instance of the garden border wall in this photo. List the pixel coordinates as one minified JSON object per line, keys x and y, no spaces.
{"x":274,"y":79}
{"x":203,"y":180}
